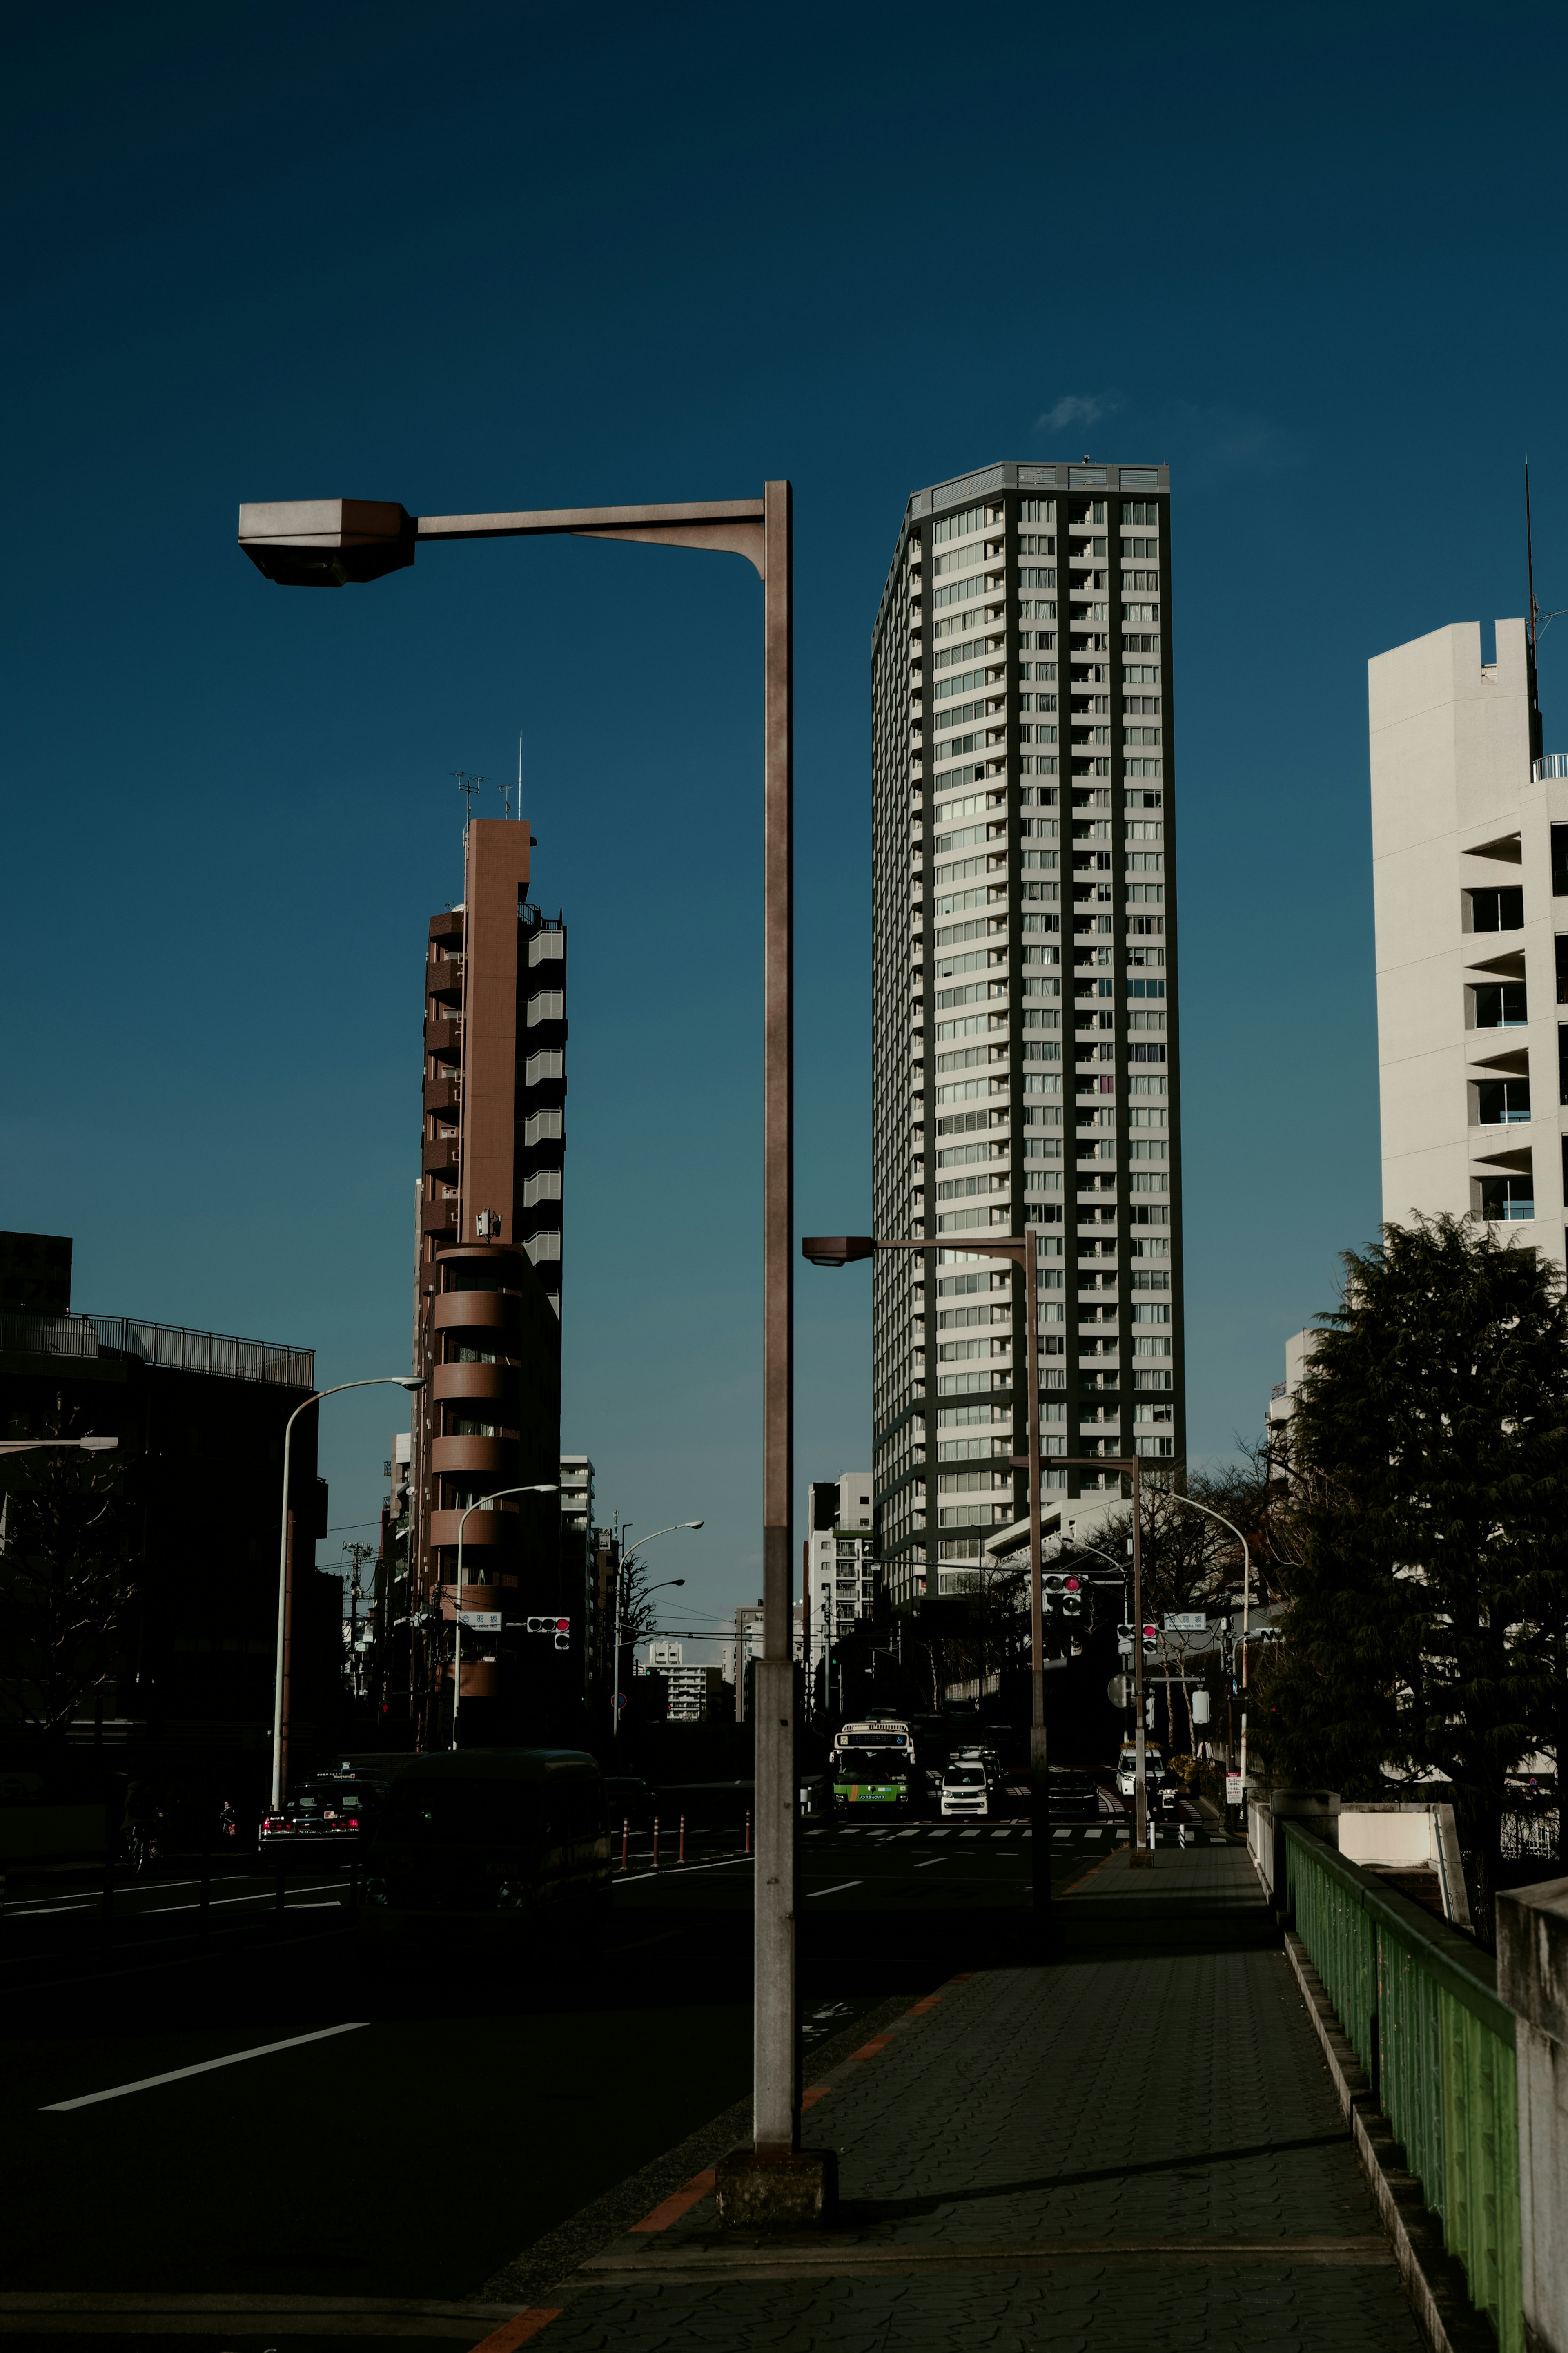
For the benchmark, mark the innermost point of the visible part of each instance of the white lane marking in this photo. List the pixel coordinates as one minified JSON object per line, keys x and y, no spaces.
{"x":1061,"y":1834}
{"x":971,"y":1833}
{"x":942,"y":1834}
{"x":906,"y":1833}
{"x":932,"y":1863}
{"x":1006,"y":1833}
{"x":264,"y":1895}
{"x":677,"y":1870}
{"x":835,"y":1891}
{"x":1089,"y":1834}
{"x":204,"y":2067}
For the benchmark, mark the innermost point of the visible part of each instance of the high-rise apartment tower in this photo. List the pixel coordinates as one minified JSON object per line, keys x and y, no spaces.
{"x":1469,"y":838}
{"x":488,"y":1301}
{"x":1024,"y":996}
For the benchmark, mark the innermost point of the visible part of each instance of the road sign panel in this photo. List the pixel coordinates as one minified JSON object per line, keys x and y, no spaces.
{"x":481,"y":1622}
{"x":1185,"y":1621}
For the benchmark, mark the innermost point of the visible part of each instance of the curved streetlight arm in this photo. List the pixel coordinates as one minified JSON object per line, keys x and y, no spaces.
{"x":621,"y":1567}
{"x":280,"y":1677}
{"x":1208,"y":1509}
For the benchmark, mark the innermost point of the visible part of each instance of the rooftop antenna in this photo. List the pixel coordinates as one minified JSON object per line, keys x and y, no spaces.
{"x":468,"y":786}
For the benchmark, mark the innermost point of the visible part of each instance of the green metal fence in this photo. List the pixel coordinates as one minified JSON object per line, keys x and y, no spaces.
{"x":1419,"y":2008}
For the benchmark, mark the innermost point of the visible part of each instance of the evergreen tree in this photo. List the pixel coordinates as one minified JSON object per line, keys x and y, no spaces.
{"x":1428,"y":1590}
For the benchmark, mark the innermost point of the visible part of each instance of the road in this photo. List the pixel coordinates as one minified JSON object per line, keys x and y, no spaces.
{"x":456,"y":2120}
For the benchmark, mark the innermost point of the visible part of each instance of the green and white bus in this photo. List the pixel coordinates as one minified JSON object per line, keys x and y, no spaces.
{"x":874,"y":1763}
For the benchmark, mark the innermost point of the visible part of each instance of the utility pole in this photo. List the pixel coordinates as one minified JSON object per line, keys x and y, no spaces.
{"x":358,"y":1555}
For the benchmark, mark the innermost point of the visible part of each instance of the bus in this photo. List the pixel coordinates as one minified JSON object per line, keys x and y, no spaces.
{"x":874,"y":1763}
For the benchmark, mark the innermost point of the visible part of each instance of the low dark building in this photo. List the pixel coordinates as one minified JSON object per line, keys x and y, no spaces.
{"x":171,"y":1537}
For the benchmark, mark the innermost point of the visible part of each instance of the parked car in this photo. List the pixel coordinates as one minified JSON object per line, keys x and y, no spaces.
{"x":1073,"y":1795}
{"x":506,"y":1846}
{"x":965,"y":1789}
{"x":334,"y":1813}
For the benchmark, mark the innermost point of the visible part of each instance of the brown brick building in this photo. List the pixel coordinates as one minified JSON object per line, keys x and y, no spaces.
{"x":487,"y":1312}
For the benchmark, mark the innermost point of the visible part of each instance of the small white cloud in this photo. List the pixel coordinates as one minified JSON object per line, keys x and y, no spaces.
{"x":1078,"y":408}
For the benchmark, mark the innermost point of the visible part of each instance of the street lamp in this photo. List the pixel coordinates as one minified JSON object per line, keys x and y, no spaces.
{"x":285,"y":1580}
{"x":622,"y":1566}
{"x":330,"y":543}
{"x":547,"y":1487}
{"x":1193,"y":1505}
{"x":844,"y":1250}
{"x":88,"y":1445}
{"x":637,"y":1637}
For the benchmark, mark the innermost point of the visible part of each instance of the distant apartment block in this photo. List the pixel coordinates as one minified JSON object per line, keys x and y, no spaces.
{"x":1025,"y":997}
{"x":841,"y":1571}
{"x":1469,"y":823}
{"x":693,"y":1691}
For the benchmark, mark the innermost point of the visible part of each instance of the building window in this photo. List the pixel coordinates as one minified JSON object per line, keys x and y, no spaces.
{"x":1501,"y":1103}
{"x":1497,"y":911}
{"x":1507,"y":1198}
{"x":1560,"y":861}
{"x":1503,"y":1006}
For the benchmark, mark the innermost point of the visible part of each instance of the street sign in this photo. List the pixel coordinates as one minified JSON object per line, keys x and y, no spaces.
{"x":620,"y":1699}
{"x":1185,"y":1621}
{"x":481,"y":1622}
{"x":1233,"y":1788}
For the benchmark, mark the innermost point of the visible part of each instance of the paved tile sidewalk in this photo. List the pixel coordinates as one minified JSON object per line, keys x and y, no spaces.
{"x":1132,"y":2154}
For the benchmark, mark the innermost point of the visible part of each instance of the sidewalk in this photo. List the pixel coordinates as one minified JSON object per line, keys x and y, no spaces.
{"x":1132,"y":2152}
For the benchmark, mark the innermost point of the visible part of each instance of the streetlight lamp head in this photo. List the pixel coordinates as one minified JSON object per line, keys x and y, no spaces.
{"x":326,"y":542}
{"x":678,"y":1580}
{"x":99,"y":1445}
{"x":836,"y":1250}
{"x":691,"y":1524}
{"x":411,"y":1381}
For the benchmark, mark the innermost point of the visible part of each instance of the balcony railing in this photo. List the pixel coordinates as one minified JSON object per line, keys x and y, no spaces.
{"x":1554,"y":764}
{"x":167,"y":1344}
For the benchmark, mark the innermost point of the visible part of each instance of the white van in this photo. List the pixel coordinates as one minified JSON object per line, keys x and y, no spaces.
{"x":965,"y":1789}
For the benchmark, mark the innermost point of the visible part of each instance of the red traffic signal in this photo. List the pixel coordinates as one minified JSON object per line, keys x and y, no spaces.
{"x":1069,"y":1584}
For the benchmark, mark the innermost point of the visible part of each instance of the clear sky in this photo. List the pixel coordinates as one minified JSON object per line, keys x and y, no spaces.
{"x":488,"y":256}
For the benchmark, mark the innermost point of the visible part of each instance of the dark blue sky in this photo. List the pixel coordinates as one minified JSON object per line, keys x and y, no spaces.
{"x":519,"y":255}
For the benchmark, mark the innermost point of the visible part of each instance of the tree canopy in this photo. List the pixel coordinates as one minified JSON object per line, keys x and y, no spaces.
{"x":1427,"y":1574}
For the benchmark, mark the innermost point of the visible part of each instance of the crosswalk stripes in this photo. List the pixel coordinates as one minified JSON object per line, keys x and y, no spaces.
{"x":1084,"y":1833}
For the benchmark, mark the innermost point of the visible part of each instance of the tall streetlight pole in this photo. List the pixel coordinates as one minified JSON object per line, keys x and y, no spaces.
{"x":1192,"y":1504}
{"x":1130,"y":1466}
{"x":332,"y":542}
{"x":622,"y":1566}
{"x":660,"y":1588}
{"x":547,"y":1487}
{"x":843,"y":1249}
{"x":284,"y":1575}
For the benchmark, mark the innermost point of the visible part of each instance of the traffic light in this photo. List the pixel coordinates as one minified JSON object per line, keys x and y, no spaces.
{"x":1052,"y":1585}
{"x":1072,"y":1598}
{"x":560,"y":1627}
{"x":1150,"y":1634}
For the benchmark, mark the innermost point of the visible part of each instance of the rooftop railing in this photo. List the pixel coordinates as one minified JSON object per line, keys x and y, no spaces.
{"x":167,"y":1344}
{"x":1554,"y":764}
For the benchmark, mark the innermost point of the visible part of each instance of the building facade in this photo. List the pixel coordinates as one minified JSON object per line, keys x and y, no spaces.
{"x":1469,"y":823}
{"x":693,"y":1691}
{"x":841,"y":1570}
{"x":488,"y":1307}
{"x":165,"y":1548}
{"x":1025,"y":1065}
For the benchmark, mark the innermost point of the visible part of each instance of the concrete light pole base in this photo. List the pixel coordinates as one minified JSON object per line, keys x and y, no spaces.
{"x":794,"y":2190}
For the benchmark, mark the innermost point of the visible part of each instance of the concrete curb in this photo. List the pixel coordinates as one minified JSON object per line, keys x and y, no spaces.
{"x":1434,"y":2279}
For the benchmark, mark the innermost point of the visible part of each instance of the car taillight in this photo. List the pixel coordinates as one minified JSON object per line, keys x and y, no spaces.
{"x":352,"y":1821}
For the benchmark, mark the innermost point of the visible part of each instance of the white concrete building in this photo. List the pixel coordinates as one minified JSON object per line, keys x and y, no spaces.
{"x":841,"y":1564}
{"x":1470,"y":865}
